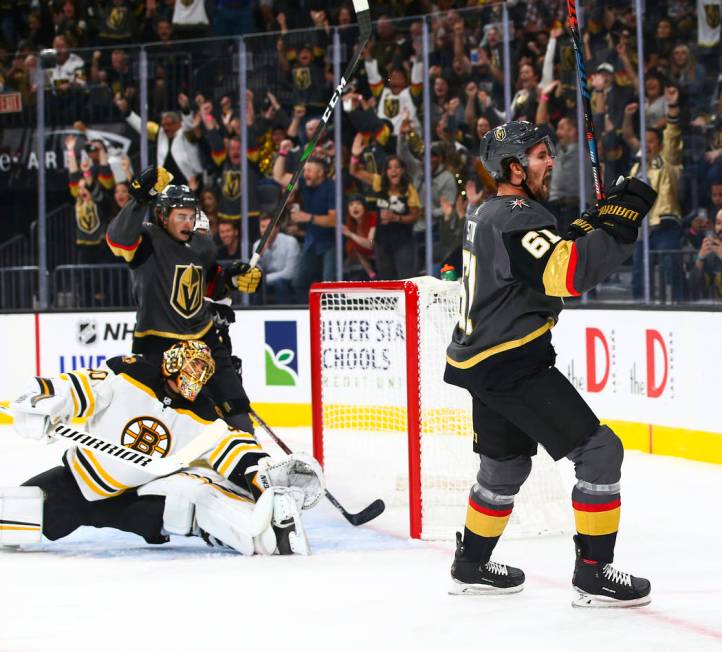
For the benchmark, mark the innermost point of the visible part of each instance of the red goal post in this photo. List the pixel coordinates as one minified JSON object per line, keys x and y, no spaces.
{"x":385,"y":424}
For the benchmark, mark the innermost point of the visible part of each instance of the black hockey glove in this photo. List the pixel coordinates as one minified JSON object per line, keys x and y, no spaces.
{"x":151,"y":181}
{"x":243,"y":277}
{"x":585,"y":224}
{"x":223,"y":315}
{"x":623,"y":210}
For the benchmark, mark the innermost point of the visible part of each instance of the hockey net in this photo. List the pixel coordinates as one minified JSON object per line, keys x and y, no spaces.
{"x":385,"y":422}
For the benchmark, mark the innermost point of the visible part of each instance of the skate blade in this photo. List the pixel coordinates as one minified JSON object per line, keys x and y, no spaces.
{"x":461,"y":588}
{"x":602,"y":602}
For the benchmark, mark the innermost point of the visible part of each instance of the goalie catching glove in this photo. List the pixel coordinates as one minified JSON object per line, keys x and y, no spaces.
{"x":243,"y":277}
{"x":297,"y":470}
{"x":623,"y":210}
{"x":149,"y":183}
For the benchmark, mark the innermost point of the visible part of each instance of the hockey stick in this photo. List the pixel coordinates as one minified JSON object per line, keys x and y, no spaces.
{"x":367,"y":514}
{"x":586,"y":99}
{"x":156,"y":465}
{"x":363,"y":17}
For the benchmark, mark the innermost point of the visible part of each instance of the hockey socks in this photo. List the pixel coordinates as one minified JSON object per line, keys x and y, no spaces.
{"x":596,"y":515}
{"x":485,"y":523}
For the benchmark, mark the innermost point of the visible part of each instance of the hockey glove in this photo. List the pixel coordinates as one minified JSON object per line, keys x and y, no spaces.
{"x":223,"y":315}
{"x":623,"y":210}
{"x":151,"y":181}
{"x":243,"y":277}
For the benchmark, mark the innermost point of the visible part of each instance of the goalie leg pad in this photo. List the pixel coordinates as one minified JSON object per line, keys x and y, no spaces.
{"x":21,"y":515}
{"x":197,"y":506}
{"x":287,"y":522}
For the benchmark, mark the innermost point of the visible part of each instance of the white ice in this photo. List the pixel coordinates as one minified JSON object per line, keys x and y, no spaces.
{"x":364,"y":588}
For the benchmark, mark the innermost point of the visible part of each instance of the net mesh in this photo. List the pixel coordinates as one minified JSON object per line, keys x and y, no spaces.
{"x":365,"y":425}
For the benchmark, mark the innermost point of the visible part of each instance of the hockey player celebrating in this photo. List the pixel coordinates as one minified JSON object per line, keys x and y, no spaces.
{"x":235,"y":496}
{"x":516,"y":270}
{"x":172,"y":267}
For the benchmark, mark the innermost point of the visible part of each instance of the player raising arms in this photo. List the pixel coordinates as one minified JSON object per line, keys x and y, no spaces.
{"x":173,"y":268}
{"x":238,"y":496}
{"x":517,"y":268}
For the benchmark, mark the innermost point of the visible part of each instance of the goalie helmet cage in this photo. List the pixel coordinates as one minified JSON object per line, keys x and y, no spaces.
{"x":385,"y":422}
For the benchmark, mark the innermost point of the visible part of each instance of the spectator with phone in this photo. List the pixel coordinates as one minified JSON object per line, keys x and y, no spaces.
{"x":706,"y":277}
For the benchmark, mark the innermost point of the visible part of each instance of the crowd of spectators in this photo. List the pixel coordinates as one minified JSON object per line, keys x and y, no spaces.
{"x":195,"y":125}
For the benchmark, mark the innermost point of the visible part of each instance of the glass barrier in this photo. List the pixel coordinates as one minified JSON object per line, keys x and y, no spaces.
{"x":426,"y":90}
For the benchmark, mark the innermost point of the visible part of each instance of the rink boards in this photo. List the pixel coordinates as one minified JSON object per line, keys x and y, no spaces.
{"x":652,"y":375}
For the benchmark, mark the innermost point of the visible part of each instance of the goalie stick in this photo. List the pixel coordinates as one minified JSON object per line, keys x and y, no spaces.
{"x":363,"y":17}
{"x":586,"y":99}
{"x":159,"y":466}
{"x":367,"y":514}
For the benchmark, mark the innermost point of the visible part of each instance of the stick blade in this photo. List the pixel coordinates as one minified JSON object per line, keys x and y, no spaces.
{"x":367,"y":514}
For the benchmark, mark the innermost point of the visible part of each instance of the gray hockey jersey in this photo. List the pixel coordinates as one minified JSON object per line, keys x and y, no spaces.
{"x":169,"y":277}
{"x":516,"y":269}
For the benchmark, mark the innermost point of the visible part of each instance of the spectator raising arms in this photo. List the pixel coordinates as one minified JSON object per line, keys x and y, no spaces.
{"x":397,"y":201}
{"x":316,"y":217}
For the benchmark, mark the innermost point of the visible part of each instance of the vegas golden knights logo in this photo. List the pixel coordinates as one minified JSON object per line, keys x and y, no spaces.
{"x":302,"y":78}
{"x":86,"y":216}
{"x":187,"y":293}
{"x":500,"y":133}
{"x":117,"y":17}
{"x":146,"y":435}
{"x":391,"y":107}
{"x":231,"y":184}
{"x":712,"y":15}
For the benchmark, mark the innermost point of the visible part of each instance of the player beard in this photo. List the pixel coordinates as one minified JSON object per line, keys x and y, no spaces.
{"x":541,"y":190}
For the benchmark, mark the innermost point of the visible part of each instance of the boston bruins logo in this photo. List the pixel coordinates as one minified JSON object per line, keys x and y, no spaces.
{"x":391,"y":107}
{"x":302,"y":78}
{"x":231,"y":184}
{"x":187,"y":294}
{"x":146,"y":435}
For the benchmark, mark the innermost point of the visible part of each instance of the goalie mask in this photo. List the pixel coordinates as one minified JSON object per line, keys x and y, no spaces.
{"x":191,"y":365}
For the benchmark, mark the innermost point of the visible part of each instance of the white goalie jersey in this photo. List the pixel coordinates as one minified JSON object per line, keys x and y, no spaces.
{"x":126,"y":402}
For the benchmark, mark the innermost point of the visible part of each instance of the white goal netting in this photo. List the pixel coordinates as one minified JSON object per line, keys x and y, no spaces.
{"x":366,"y":430}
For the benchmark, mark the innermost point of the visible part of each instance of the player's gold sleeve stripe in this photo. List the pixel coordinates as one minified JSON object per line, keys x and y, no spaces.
{"x":193,"y":415}
{"x":139,"y":385}
{"x":73,"y":394}
{"x":101,"y":471}
{"x":127,"y":253}
{"x":562,"y":261}
{"x":227,"y":445}
{"x":176,"y":336}
{"x":80,"y":471}
{"x":230,"y":461}
{"x":88,"y":393}
{"x":504,"y":346}
{"x":19,"y":527}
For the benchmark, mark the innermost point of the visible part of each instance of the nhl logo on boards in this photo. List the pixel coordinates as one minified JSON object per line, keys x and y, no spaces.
{"x":500,"y":133}
{"x":146,"y":435}
{"x":87,"y":332}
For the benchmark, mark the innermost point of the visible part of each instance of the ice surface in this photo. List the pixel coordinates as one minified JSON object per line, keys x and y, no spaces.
{"x":365,"y":588}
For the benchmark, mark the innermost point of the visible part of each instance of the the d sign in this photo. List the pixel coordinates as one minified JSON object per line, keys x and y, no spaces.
{"x":594,"y":383}
{"x":655,"y":390}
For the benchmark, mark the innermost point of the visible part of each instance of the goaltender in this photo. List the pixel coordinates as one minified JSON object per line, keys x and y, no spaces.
{"x":173,"y":270}
{"x":516,"y":270}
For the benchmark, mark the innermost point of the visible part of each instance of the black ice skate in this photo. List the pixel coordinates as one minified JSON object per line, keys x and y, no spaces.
{"x":601,"y":585}
{"x":474,"y":578}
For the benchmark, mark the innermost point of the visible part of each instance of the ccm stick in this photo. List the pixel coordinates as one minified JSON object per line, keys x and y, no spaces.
{"x":363,"y":18}
{"x":367,"y":514}
{"x":586,"y":99}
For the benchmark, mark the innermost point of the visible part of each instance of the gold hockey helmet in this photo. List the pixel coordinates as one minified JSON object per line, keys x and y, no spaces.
{"x":191,"y":365}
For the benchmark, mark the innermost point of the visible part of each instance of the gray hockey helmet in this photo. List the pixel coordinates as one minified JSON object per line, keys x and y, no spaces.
{"x":512,"y":141}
